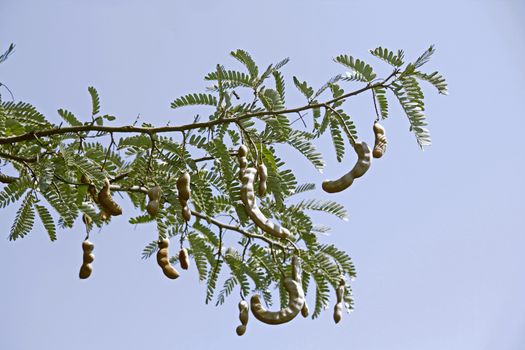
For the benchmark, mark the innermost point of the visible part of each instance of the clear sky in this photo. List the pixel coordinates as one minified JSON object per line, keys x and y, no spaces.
{"x":438,"y":236}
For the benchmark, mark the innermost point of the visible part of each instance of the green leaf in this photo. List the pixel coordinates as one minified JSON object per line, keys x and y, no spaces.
{"x":24,"y":219}
{"x":194,"y":99}
{"x":388,"y":56}
{"x":329,"y":207}
{"x":425,"y":57}
{"x":245,"y":58}
{"x":47,"y":221}
{"x":69,"y":117}
{"x":357,"y":66}
{"x":95,"y":101}
{"x":301,"y":141}
{"x":382,"y":101}
{"x":435,"y":79}
{"x":337,"y":139}
{"x":303,"y":87}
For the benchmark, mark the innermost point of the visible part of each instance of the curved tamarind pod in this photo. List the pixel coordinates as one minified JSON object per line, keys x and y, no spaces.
{"x":107,"y":202}
{"x":338,"y":308}
{"x":359,"y":169}
{"x":295,"y":296}
{"x":153,"y":207}
{"x":184,"y":259}
{"x":262,"y":173}
{"x":243,"y":162}
{"x":87,"y":259}
{"x":253,"y":211}
{"x":380,"y":141}
{"x":164,"y":262}
{"x":304,"y":310}
{"x":243,"y":317}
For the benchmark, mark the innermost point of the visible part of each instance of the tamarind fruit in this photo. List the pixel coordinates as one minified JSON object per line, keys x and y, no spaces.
{"x":262,"y":173}
{"x":107,"y":202}
{"x":253,"y":211}
{"x":243,"y":162}
{"x":153,"y":205}
{"x":338,"y":308}
{"x":91,"y":188}
{"x":164,"y":261}
{"x":305,"y":311}
{"x":380,"y":141}
{"x":184,"y":259}
{"x":296,"y":299}
{"x":243,"y":317}
{"x":87,"y":259}
{"x":359,"y":169}
{"x":183,"y":187}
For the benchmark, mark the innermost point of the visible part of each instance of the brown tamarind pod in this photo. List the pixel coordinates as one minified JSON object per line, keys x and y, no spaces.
{"x":184,"y":259}
{"x":243,"y":161}
{"x":107,"y":202}
{"x":253,"y":211}
{"x":163,"y":260}
{"x":304,"y":311}
{"x":186,"y":213}
{"x":380,"y":141}
{"x":262,"y":173}
{"x":87,"y":259}
{"x":183,"y":186}
{"x":154,"y":193}
{"x":360,"y":168}
{"x":338,"y":308}
{"x":153,"y":207}
{"x":243,"y":317}
{"x":296,"y":299}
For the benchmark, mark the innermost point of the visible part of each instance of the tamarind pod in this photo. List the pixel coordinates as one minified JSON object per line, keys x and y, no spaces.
{"x":262,"y":172}
{"x":184,"y":259}
{"x":86,"y":219}
{"x":164,"y":262}
{"x":170,"y":272}
{"x":305,"y":311}
{"x":107,"y":202}
{"x":296,"y":300}
{"x":104,"y":215}
{"x":153,"y":207}
{"x":186,"y":213}
{"x":243,"y":162}
{"x":240,"y":330}
{"x":338,"y":312}
{"x":253,"y":211}
{"x":380,"y":141}
{"x":183,"y":187}
{"x":243,"y":312}
{"x":88,"y":258}
{"x":359,"y":169}
{"x":85,"y":272}
{"x":154,"y":193}
{"x":338,"y":308}
{"x":243,"y":151}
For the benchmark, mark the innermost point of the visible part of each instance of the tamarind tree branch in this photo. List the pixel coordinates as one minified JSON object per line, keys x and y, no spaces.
{"x":181,"y":128}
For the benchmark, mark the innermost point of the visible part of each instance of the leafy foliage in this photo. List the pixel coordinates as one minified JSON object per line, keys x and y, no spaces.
{"x":58,"y":171}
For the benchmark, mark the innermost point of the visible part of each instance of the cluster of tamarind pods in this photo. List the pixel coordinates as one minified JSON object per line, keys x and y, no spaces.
{"x":296,"y":303}
{"x":247,"y":175}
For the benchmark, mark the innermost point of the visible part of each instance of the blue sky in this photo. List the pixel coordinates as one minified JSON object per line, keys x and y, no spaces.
{"x":437,"y":236}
